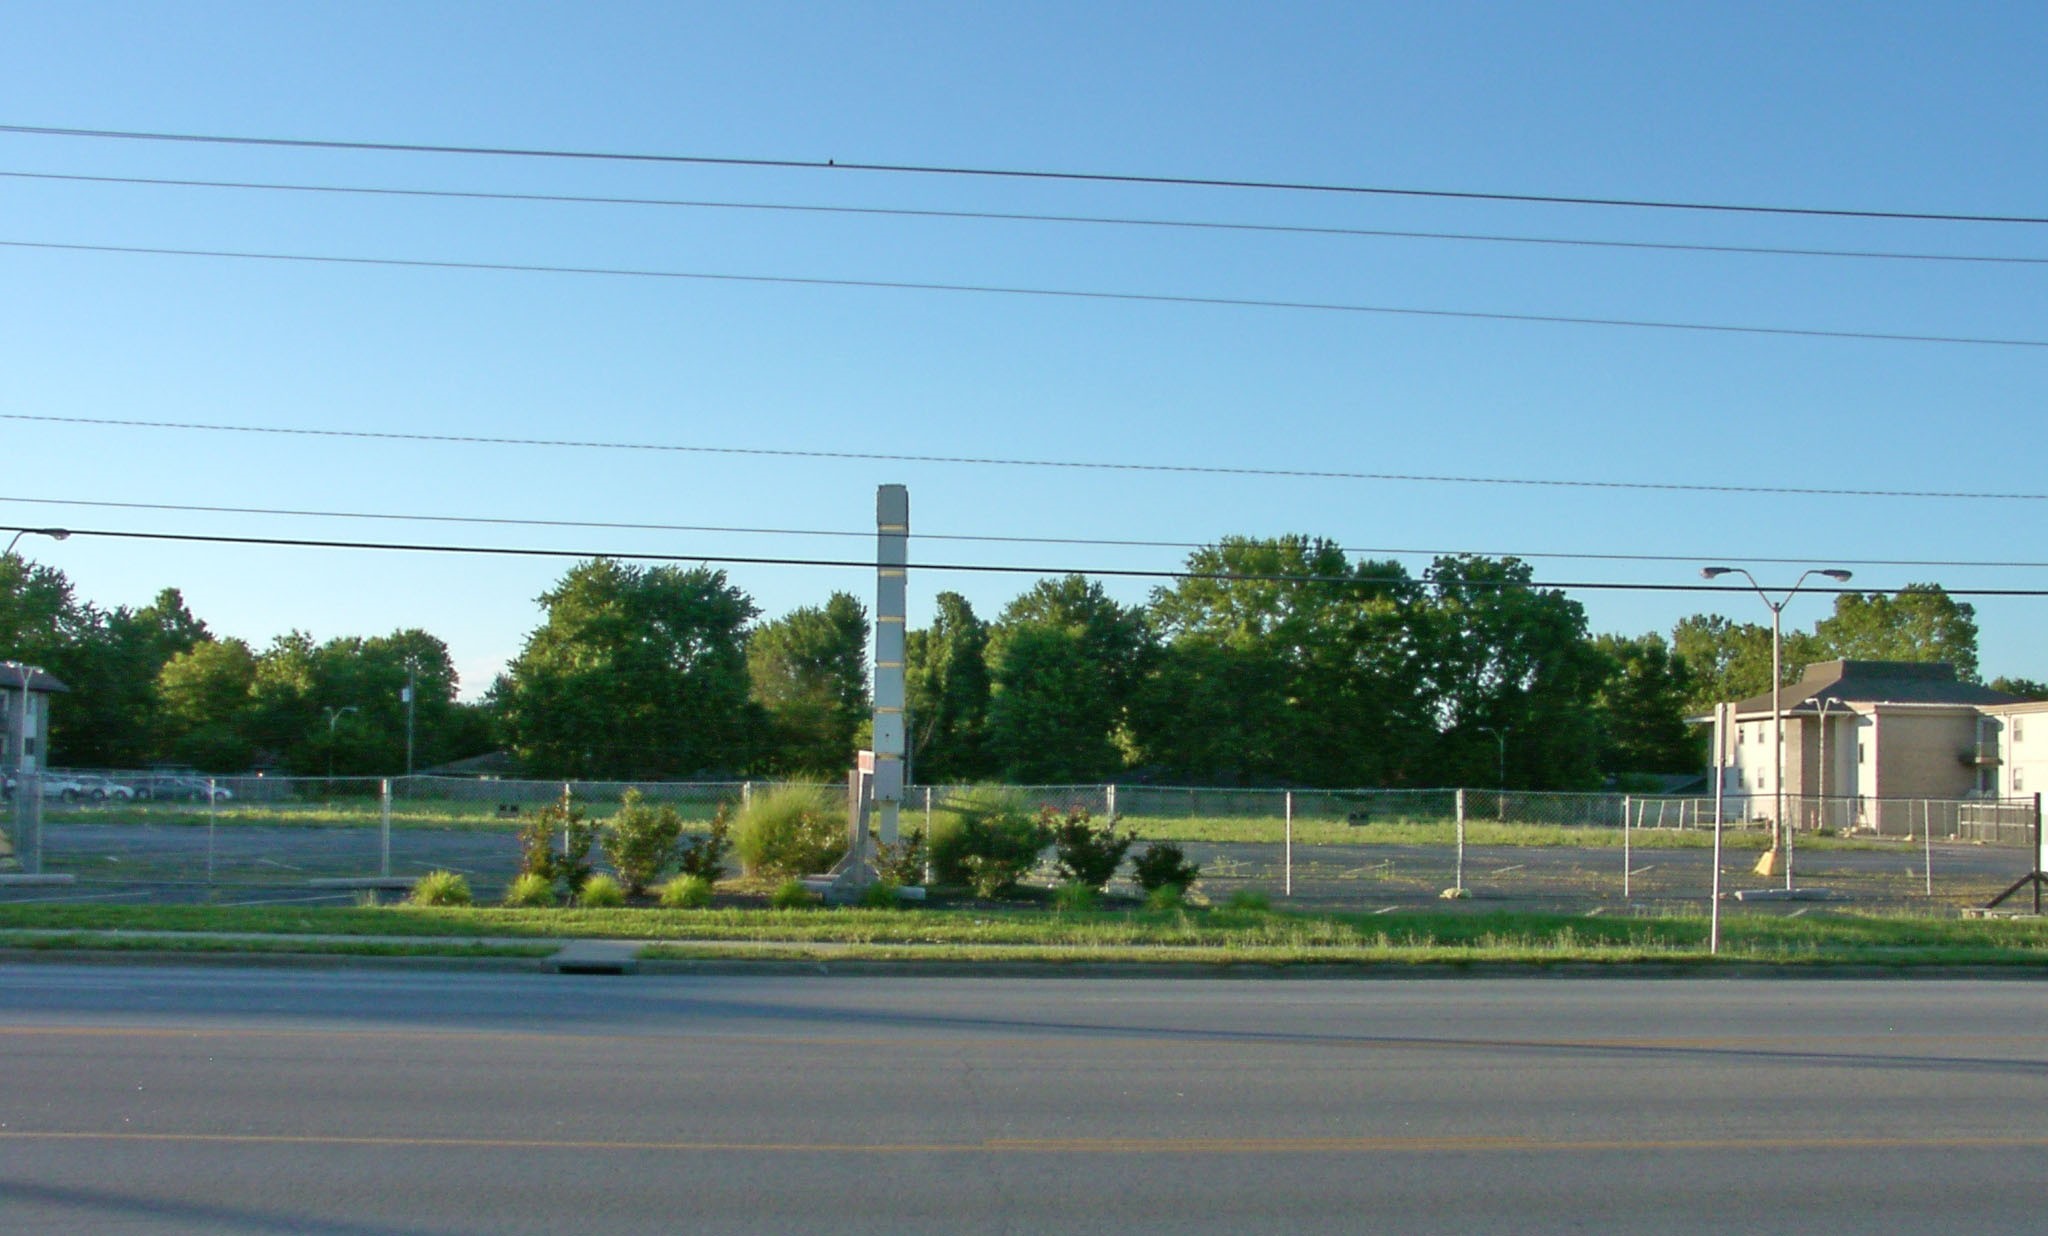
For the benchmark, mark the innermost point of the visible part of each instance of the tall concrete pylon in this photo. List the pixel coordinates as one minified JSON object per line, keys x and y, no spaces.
{"x":892,"y":560}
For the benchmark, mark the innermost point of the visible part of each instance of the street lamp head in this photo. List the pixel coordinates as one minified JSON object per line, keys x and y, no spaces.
{"x":1838,"y":575}
{"x":1715,"y":572}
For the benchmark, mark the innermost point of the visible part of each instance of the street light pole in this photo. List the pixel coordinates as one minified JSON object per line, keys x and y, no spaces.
{"x":334,"y":715}
{"x":1783,"y":827}
{"x":55,"y":534}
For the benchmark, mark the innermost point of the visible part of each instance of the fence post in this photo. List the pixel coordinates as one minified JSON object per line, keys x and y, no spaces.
{"x":747,"y":796}
{"x":1627,"y":860}
{"x":1927,"y":856}
{"x":928,"y":835}
{"x":1112,"y":800}
{"x":212,"y":816}
{"x":1289,"y":849}
{"x":384,"y":829}
{"x":1460,"y":884}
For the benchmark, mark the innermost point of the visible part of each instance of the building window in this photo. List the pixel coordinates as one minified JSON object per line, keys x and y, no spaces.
{"x":2019,"y":729}
{"x":2019,"y":777}
{"x":1741,"y":734}
{"x":28,"y":746}
{"x":1862,"y":754}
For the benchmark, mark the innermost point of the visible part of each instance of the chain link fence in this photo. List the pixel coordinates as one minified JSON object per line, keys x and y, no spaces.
{"x":168,"y":836}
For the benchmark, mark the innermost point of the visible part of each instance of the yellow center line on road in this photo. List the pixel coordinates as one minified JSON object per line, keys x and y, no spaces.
{"x":1165,"y":1146}
{"x":1820,"y":1042}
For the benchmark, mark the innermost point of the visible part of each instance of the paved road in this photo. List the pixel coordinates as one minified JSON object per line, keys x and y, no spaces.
{"x":385,"y":1103}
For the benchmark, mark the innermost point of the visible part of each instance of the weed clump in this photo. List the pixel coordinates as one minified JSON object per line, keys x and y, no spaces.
{"x":601,"y":892}
{"x":685,"y":892}
{"x":789,"y":830}
{"x":440,"y":888}
{"x":1088,"y":855}
{"x":792,"y":895}
{"x":530,"y":892}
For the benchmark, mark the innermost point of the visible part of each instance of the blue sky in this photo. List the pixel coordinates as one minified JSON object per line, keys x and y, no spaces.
{"x":1931,"y":108}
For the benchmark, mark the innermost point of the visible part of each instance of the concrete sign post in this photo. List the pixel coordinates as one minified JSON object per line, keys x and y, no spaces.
{"x":877,"y":784}
{"x":892,"y":558}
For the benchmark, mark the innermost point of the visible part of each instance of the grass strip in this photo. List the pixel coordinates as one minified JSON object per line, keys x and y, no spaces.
{"x":1435,"y":936}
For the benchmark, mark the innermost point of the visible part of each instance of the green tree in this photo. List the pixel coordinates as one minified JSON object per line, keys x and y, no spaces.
{"x":1643,"y":705}
{"x":1726,"y":660}
{"x":809,"y":671}
{"x":2025,"y":688}
{"x":634,"y":673}
{"x":1285,"y":661}
{"x":206,"y":695}
{"x":946,"y":685}
{"x":1503,"y":653}
{"x":1063,"y":662}
{"x":1920,"y":622}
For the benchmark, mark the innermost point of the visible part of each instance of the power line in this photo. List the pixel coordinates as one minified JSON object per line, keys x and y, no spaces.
{"x":971,"y":567}
{"x":919,"y":169}
{"x":991,"y":538}
{"x":1020,"y":217}
{"x":1079,"y":465}
{"x":991,"y":289}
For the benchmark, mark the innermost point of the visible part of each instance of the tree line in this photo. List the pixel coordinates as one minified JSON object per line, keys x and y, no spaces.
{"x":1271,"y":661}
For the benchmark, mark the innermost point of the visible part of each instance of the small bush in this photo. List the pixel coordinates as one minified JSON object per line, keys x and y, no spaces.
{"x":902,"y":863}
{"x":792,"y":895}
{"x":440,"y":888}
{"x":601,"y":892}
{"x":881,"y":895}
{"x":1163,"y":865}
{"x":1166,"y":898}
{"x":1073,"y":898}
{"x":789,"y":830}
{"x":989,"y":842}
{"x":640,"y":839}
{"x":530,"y":892}
{"x":686,"y":892}
{"x":704,"y":857}
{"x":1088,"y":855}
{"x":565,"y":868}
{"x":1249,"y":901}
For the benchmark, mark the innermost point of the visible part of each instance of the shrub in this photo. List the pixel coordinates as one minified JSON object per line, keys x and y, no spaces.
{"x":1088,"y":856}
{"x":601,"y":892}
{"x":902,"y":863}
{"x":1073,"y":898}
{"x":568,"y":867}
{"x":988,"y":843}
{"x":1166,"y":898}
{"x":530,"y":892}
{"x":881,"y":895}
{"x":686,"y":892}
{"x":1249,"y":901}
{"x":440,"y":888}
{"x":640,"y":839}
{"x":792,"y":895}
{"x":1163,"y":865}
{"x":789,"y":830}
{"x":704,"y":856}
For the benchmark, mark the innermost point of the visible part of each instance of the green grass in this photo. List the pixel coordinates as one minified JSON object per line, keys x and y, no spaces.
{"x":1439,"y":832}
{"x":1458,"y":936}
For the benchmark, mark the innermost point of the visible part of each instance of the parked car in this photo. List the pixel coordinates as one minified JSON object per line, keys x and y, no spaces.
{"x":173,"y":787}
{"x":55,"y":785}
{"x":103,"y":789}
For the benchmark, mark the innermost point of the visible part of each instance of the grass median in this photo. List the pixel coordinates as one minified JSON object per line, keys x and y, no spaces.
{"x":1210,"y":936}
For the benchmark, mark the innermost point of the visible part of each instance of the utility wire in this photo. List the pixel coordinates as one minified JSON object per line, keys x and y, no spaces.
{"x":991,"y":289}
{"x":918,"y":169}
{"x":974,"y":567}
{"x":1079,"y":465}
{"x":989,"y":538}
{"x":1018,"y":217}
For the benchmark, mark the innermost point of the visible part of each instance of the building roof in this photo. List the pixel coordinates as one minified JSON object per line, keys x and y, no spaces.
{"x":1877,"y":682}
{"x":38,"y":679}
